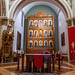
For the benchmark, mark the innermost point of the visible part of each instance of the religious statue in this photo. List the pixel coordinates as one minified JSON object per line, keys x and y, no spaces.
{"x":50,"y":34}
{"x":36,"y":24}
{"x":45,"y":24}
{"x":31,"y":24}
{"x":50,"y":23}
{"x":45,"y":34}
{"x":40,"y":34}
{"x":40,"y":44}
{"x":35,"y":44}
{"x":46,"y":44}
{"x":31,"y":34}
{"x":36,"y":35}
{"x":51,"y":45}
{"x":40,"y":23}
{"x":30,"y":44}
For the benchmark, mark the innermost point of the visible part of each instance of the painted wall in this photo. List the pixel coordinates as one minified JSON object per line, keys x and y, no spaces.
{"x":18,"y":27}
{"x":47,"y":10}
{"x":63,"y":28}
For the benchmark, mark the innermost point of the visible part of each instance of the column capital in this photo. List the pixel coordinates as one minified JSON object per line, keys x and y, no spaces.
{"x":3,"y":20}
{"x":71,"y":22}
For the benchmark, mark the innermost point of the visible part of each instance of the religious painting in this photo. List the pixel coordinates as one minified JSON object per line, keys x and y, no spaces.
{"x":63,"y":39}
{"x":35,"y":43}
{"x":41,"y":33}
{"x":31,"y":23}
{"x":45,"y":33}
{"x":35,"y":23}
{"x":31,"y":33}
{"x":40,"y":23}
{"x":35,"y":33}
{"x":45,"y":23}
{"x":50,"y":23}
{"x":30,"y":43}
{"x":50,"y":44}
{"x":40,"y":43}
{"x":45,"y":43}
{"x":50,"y":33}
{"x":18,"y":40}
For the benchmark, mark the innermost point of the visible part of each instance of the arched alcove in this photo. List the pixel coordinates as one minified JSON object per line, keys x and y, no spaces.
{"x":54,"y":5}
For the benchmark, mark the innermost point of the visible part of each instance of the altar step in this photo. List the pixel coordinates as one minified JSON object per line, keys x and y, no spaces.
{"x":38,"y":74}
{"x":8,"y":64}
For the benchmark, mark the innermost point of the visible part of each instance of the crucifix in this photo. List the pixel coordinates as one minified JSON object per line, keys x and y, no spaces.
{"x":73,"y":45}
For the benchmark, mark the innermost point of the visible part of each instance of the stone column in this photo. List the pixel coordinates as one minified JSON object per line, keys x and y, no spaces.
{"x":3,"y":26}
{"x":73,"y":7}
{"x":70,"y":23}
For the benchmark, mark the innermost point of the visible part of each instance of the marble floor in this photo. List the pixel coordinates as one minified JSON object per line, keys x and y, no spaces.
{"x":66,"y":69}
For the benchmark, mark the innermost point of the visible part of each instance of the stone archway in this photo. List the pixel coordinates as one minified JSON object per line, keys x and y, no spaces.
{"x":18,"y":5}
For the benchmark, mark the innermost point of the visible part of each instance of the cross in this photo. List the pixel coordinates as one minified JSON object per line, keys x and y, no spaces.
{"x":73,"y":45}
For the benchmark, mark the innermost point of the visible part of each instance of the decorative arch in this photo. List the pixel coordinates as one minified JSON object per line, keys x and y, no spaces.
{"x":19,"y":4}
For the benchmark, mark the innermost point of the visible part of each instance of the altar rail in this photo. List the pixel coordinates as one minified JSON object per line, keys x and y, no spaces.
{"x":47,"y":58}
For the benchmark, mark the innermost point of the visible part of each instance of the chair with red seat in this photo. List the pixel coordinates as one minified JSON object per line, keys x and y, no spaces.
{"x":46,"y":52}
{"x":57,"y":57}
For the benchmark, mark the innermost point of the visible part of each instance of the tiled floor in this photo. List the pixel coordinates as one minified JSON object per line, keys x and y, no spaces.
{"x":66,"y":69}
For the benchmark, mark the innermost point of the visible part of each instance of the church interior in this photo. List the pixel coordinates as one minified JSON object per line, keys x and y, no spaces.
{"x":37,"y":37}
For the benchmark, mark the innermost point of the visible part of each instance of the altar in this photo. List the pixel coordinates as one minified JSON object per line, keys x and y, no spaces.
{"x":41,"y":63}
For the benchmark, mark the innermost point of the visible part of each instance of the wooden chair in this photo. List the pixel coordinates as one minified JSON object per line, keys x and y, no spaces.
{"x":46,"y":52}
{"x":65,"y":56}
{"x":56,"y":57}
